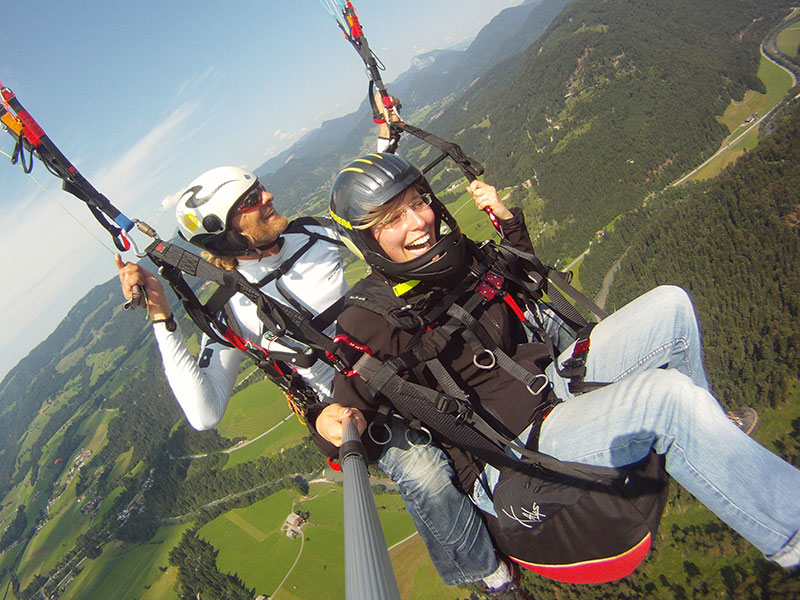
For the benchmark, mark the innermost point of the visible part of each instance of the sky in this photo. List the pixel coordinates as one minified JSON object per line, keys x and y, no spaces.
{"x":142,"y":97}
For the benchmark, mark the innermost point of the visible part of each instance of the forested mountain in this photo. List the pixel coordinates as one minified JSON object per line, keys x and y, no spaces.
{"x":55,"y":372}
{"x":588,"y":124}
{"x":733,"y":243}
{"x":615,"y":100}
{"x":301,"y":175}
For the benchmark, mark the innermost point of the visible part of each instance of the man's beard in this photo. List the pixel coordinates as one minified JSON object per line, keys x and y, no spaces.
{"x":268,"y":231}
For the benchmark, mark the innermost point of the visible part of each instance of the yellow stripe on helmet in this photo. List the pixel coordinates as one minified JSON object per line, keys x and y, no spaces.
{"x":352,"y":169}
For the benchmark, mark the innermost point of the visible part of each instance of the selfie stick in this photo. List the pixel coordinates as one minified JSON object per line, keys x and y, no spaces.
{"x":368,"y":570}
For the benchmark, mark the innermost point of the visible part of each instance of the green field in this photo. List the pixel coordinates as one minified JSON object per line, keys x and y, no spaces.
{"x":777,"y":82}
{"x":52,"y":542}
{"x":253,"y":410}
{"x":125,"y":572}
{"x":289,"y":433}
{"x":789,"y":39}
{"x":36,"y":426}
{"x":251,"y":544}
{"x":19,"y":494}
{"x":416,"y":576}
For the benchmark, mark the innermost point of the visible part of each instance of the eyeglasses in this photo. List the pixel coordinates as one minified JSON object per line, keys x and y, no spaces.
{"x":250,"y":201}
{"x":396,"y":218}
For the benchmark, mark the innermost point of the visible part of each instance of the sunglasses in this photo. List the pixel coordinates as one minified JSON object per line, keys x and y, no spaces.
{"x":250,"y":201}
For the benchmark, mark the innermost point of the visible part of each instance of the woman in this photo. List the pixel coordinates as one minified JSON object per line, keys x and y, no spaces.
{"x":386,"y":208}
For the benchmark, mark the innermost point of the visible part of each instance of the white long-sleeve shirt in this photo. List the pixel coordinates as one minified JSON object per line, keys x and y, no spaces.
{"x":203,"y":386}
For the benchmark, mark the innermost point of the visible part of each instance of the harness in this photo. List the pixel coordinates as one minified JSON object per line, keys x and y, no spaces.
{"x":291,"y":323}
{"x":567,"y":521}
{"x":499,"y":272}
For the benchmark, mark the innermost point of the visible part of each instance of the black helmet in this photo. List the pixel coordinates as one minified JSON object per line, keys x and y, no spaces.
{"x":370,"y":182}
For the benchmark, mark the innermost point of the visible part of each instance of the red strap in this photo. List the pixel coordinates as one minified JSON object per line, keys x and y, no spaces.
{"x":514,"y":306}
{"x":334,"y":465}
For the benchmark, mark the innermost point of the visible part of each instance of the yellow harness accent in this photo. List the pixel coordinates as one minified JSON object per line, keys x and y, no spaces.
{"x":405,"y":287}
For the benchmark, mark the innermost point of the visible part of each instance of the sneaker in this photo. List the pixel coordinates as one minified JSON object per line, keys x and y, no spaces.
{"x":744,"y":418}
{"x":512,"y":590}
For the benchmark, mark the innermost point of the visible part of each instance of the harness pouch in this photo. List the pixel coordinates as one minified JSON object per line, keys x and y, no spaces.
{"x":593,"y":533}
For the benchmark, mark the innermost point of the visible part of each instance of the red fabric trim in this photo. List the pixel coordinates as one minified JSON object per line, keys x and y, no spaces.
{"x":594,"y":571}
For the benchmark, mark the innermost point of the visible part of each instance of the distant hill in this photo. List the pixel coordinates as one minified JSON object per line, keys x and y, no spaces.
{"x":614,"y":101}
{"x":299,"y":176}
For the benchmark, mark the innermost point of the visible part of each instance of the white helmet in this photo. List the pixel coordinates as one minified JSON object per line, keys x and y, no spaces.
{"x":204,"y":207}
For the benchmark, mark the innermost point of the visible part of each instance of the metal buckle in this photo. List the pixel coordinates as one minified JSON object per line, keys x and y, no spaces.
{"x":372,"y":437}
{"x":490,"y":285}
{"x":492,"y":360}
{"x":337,"y":364}
{"x":423,"y":428}
{"x":545,"y":383}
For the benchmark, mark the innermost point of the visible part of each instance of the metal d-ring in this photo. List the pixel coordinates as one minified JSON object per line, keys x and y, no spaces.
{"x":426,"y":430}
{"x":545,"y":383}
{"x":492,"y":359}
{"x":372,"y":437}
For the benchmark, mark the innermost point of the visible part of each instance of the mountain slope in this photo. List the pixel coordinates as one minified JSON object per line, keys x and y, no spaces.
{"x":615,"y":100}
{"x":302,"y":173}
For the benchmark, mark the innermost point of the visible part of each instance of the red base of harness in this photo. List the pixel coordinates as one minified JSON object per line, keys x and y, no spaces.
{"x":600,"y":570}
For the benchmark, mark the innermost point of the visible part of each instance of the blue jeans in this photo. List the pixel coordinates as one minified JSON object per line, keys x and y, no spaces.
{"x":671,"y":411}
{"x":446,"y":519}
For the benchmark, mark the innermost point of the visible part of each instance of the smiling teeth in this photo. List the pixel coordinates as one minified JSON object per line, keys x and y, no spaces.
{"x":420,"y":243}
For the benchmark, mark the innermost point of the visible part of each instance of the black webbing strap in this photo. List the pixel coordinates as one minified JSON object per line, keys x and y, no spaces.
{"x":275,"y":316}
{"x":459,"y":426}
{"x":324,"y":319}
{"x":192,"y":305}
{"x":535,"y":382}
{"x":291,"y":300}
{"x":219,"y":299}
{"x":543,"y":276}
{"x":470,"y":168}
{"x":286,"y":265}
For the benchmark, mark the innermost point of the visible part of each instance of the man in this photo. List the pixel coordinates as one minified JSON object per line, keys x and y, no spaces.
{"x":228,"y":214}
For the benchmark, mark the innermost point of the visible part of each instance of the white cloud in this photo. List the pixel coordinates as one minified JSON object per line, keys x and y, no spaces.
{"x":170,"y":202}
{"x":133,"y":171}
{"x":55,"y":251}
{"x":205,"y":79}
{"x":285,"y":136}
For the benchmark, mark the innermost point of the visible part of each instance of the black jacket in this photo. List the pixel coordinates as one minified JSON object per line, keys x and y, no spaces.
{"x":501,"y":399}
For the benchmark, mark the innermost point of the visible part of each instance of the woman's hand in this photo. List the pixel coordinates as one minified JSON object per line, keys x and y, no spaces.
{"x":486,"y":197}
{"x":329,"y":422}
{"x":133,"y":277}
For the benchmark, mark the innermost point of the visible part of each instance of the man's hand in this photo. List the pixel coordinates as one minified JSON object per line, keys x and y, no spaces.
{"x":133,"y":279}
{"x":329,"y":422}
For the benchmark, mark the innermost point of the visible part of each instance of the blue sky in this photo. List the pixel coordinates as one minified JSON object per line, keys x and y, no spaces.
{"x":143,"y":97}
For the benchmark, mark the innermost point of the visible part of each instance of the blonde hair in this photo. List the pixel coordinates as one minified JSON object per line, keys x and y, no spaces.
{"x":228,"y":263}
